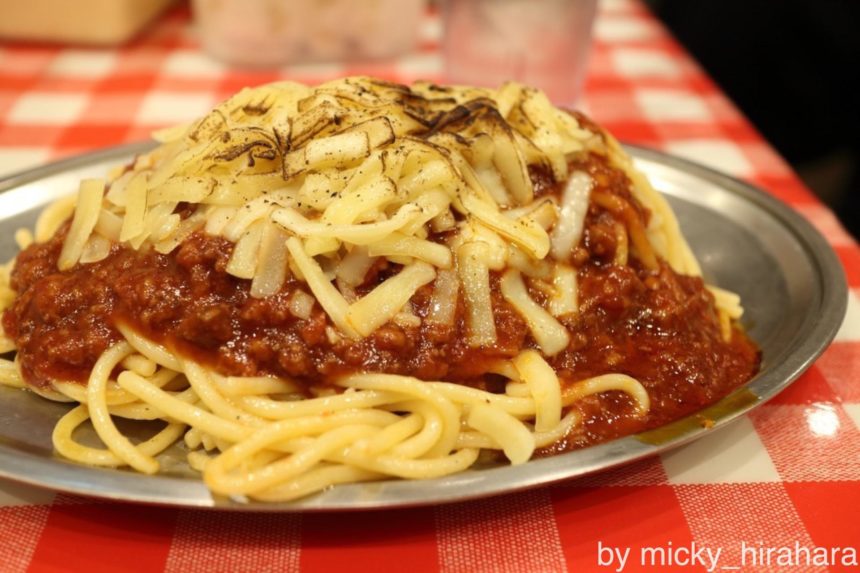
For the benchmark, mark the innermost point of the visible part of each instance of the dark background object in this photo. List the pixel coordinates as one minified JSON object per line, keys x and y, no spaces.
{"x":793,"y":67}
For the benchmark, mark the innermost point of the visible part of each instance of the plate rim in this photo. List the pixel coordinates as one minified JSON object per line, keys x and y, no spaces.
{"x":832,"y":291}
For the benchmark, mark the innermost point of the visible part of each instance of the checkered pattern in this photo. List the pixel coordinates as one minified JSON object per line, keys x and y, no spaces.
{"x":790,"y":472}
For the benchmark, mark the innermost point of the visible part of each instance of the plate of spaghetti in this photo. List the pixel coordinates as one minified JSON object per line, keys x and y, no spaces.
{"x":366,"y":294}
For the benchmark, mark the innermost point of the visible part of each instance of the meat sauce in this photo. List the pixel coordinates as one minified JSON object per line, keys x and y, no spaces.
{"x":657,"y":326}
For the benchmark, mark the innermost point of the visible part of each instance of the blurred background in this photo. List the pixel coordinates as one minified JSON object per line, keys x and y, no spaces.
{"x":792,"y":67}
{"x":789,"y":66}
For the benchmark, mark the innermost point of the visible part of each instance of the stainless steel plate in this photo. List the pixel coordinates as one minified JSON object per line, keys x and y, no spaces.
{"x":791,"y":283}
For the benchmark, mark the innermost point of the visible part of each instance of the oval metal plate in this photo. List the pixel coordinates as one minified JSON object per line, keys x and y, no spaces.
{"x":791,"y":283}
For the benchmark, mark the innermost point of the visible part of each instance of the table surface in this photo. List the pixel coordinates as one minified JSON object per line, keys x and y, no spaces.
{"x":776,"y":483}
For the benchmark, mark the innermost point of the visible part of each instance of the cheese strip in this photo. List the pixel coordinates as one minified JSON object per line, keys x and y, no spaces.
{"x":84,"y":221}
{"x":326,"y":294}
{"x":385,"y":301}
{"x":546,"y":330}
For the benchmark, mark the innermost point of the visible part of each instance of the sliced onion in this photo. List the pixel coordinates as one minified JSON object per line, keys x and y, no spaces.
{"x":574,"y":206}
{"x":443,"y":302}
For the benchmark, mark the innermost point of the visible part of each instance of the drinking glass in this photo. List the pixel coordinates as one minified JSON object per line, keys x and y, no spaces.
{"x":542,"y":43}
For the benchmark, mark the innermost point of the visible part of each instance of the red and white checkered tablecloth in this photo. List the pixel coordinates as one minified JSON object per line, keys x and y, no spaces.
{"x":788,"y":475}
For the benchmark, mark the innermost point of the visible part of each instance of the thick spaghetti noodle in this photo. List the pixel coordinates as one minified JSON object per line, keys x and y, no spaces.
{"x":366,"y":280}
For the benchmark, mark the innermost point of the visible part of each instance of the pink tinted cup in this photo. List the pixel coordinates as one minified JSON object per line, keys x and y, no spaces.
{"x":542,"y":43}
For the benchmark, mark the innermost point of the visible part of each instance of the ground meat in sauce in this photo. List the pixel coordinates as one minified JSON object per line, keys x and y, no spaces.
{"x":658,"y":327}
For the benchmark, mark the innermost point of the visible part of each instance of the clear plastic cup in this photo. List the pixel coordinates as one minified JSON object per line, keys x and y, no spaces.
{"x":542,"y":43}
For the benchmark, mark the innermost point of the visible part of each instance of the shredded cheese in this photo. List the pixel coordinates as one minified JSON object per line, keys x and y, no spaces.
{"x":475,"y":278}
{"x":326,"y":183}
{"x":84,"y":221}
{"x":326,"y":294}
{"x":385,"y":301}
{"x":546,"y":330}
